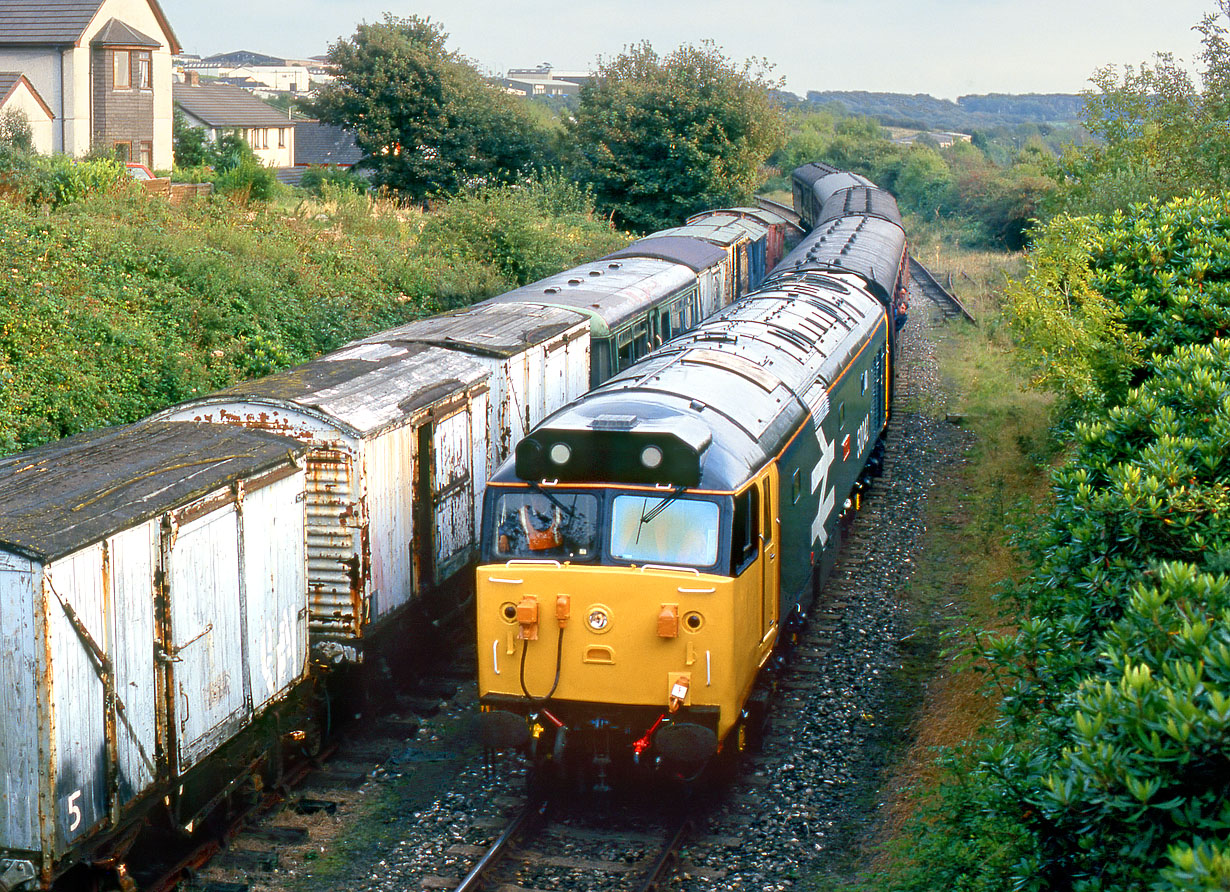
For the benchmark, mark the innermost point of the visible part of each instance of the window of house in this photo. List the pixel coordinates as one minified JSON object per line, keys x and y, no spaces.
{"x":123,"y":151}
{"x":144,"y":77}
{"x":122,"y":77}
{"x":281,"y":137}
{"x":146,"y":150}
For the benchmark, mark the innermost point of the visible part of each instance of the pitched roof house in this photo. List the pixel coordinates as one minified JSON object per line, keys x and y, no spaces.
{"x":18,"y":94}
{"x":221,"y":107}
{"x":102,"y":68}
{"x":317,"y":143}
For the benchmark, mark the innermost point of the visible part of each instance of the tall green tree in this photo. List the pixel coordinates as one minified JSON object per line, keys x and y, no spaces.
{"x":661,"y":137}
{"x":424,"y":114}
{"x":1159,"y":135}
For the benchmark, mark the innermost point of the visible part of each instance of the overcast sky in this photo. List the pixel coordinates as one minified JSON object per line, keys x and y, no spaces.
{"x":947,"y":48}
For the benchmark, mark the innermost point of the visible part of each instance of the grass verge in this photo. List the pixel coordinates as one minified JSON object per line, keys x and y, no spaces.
{"x":966,"y":555}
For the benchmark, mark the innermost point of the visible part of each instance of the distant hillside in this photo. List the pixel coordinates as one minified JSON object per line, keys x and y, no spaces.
{"x":968,"y":113}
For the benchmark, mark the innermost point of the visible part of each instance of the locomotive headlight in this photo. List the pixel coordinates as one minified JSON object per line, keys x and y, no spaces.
{"x":598,"y":618}
{"x":651,"y":457}
{"x":560,"y":453}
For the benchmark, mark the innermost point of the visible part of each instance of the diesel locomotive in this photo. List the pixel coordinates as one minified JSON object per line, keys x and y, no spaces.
{"x":650,"y":545}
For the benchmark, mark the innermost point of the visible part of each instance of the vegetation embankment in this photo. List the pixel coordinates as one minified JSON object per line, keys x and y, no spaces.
{"x":999,"y":482}
{"x":114,"y":304}
{"x":1105,"y":708}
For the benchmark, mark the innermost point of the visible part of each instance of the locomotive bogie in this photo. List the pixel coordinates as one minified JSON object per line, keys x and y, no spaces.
{"x":140,"y":637}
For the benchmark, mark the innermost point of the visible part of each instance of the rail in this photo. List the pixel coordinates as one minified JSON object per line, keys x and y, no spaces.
{"x":663,"y":867}
{"x":938,"y":292}
{"x":530,"y":819}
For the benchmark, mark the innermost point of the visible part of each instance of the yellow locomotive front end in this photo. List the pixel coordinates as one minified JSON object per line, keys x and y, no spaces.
{"x":620,"y":620}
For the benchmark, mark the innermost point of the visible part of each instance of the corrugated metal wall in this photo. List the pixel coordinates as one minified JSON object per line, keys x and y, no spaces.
{"x":335,"y":519}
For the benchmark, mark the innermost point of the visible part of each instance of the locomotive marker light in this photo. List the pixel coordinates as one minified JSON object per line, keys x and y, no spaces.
{"x":651,"y":457}
{"x":560,"y":453}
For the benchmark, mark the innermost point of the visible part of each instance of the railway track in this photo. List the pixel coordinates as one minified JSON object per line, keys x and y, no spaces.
{"x":582,"y":844}
{"x":249,"y":851}
{"x":923,"y":282}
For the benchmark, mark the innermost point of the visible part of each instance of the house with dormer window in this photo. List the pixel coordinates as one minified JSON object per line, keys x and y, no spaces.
{"x":100,"y":68}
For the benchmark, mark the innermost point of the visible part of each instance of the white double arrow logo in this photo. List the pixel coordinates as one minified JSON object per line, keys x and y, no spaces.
{"x":820,"y":481}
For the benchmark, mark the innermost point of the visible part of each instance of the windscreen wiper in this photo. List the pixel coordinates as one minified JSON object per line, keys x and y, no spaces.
{"x":648,"y":516}
{"x":571,"y":512}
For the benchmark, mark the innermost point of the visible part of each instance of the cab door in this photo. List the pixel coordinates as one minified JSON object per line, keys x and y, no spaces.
{"x":770,"y":544}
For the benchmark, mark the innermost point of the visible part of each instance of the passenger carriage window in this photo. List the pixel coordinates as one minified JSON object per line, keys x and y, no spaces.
{"x":557,"y":525}
{"x":626,"y":355}
{"x":657,"y":530}
{"x":640,"y":341}
{"x":745,"y":532}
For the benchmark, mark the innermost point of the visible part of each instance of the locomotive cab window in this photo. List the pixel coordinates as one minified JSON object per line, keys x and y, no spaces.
{"x":745,"y":531}
{"x":656,"y":530}
{"x":549,"y":525}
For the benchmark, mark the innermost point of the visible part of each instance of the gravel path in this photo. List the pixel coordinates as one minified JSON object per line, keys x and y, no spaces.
{"x":802,"y":805}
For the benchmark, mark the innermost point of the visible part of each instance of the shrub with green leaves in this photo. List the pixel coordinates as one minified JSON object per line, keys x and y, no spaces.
{"x":1107,"y":297}
{"x":318,"y":176}
{"x":115,"y":306}
{"x":56,"y":180}
{"x":1109,"y":766}
{"x":526,"y":232}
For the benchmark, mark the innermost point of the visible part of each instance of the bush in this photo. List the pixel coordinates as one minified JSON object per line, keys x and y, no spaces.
{"x":1107,"y":766}
{"x":56,"y":180}
{"x":515,"y":229}
{"x":247,"y":181}
{"x":339,"y":178}
{"x":117,"y":305}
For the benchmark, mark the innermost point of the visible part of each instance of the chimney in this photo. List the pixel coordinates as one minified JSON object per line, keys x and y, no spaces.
{"x":194,"y":78}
